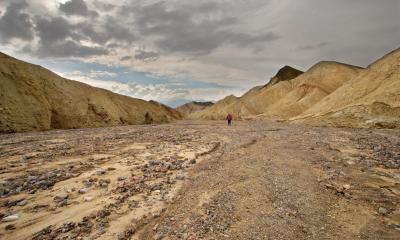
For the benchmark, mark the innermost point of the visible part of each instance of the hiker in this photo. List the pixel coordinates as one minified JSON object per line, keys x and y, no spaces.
{"x":229,"y":119}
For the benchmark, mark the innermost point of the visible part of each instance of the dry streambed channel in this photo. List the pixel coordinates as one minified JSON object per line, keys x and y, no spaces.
{"x":201,"y":180}
{"x":92,"y":183}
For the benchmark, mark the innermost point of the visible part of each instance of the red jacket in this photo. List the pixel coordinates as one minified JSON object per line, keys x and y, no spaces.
{"x":229,"y":117}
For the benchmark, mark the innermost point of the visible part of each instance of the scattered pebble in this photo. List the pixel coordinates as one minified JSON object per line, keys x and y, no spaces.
{"x":22,"y":203}
{"x":101,"y":172}
{"x":382,"y":211}
{"x":103,"y":213}
{"x":10,"y":218}
{"x":83,"y":190}
{"x":180,"y":177}
{"x":122,"y":178}
{"x":88,"y":199}
{"x":61,"y":197}
{"x":10,"y":227}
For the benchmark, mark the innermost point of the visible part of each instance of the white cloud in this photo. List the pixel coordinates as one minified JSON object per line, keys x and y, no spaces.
{"x":97,"y":74}
{"x":165,"y":93}
{"x":147,"y":92}
{"x":240,"y":43}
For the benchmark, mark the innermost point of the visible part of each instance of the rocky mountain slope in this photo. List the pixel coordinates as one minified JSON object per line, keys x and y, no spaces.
{"x":309,"y":88}
{"x":244,"y":106}
{"x":371,"y":99}
{"x":34,"y":98}
{"x":192,"y":107}
{"x":288,"y":94}
{"x":284,"y":74}
{"x":329,"y":93}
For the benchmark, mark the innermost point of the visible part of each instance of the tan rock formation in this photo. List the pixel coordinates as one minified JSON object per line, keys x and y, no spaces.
{"x":244,"y":106}
{"x":372,"y":99}
{"x":285,"y":97}
{"x":191,"y":107}
{"x":34,"y":98}
{"x":309,"y":88}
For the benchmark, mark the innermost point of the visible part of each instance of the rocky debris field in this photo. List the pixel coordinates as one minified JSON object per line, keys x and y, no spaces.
{"x":96,"y":183}
{"x":201,"y":180}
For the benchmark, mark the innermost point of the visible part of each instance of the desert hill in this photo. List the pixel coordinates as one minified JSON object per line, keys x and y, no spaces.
{"x":34,"y":98}
{"x":192,"y":107}
{"x":285,"y":97}
{"x":244,"y":106}
{"x":370,"y":99}
{"x":309,"y":88}
{"x":217,"y":111}
{"x":284,"y":74}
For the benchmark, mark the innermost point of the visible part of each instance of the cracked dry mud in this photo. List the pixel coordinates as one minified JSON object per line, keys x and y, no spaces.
{"x":201,"y":180}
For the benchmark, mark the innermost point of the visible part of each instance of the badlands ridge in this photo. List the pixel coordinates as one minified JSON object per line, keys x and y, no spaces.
{"x":329,"y":93}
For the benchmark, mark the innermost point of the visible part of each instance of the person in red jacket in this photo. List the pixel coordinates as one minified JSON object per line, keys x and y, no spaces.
{"x":229,"y":118}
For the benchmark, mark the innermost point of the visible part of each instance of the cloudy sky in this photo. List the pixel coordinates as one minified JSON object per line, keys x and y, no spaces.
{"x":176,"y":51}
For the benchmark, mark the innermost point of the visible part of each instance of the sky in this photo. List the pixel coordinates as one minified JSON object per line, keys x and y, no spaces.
{"x":177,"y":51}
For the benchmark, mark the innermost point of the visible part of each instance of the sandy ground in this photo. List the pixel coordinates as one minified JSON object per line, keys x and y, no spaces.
{"x":201,"y":180}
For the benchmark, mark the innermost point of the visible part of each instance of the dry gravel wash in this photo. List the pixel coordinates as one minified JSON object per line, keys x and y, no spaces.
{"x":201,"y":180}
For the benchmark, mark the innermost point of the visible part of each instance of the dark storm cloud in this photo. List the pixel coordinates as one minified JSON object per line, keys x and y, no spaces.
{"x":59,"y":38}
{"x":126,"y":58}
{"x":315,"y":46}
{"x":53,"y":30}
{"x":68,"y":48}
{"x":110,"y":29}
{"x":189,"y":29}
{"x":358,"y":31}
{"x":245,"y":40}
{"x":53,"y":34}
{"x":95,"y":35}
{"x":116,"y":30}
{"x":113,"y":45}
{"x":146,"y":56}
{"x":104,"y":6}
{"x":75,"y":7}
{"x":238,"y":41}
{"x":15,"y":23}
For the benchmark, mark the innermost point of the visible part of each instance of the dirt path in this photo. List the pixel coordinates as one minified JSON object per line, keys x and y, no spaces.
{"x":202,"y":180}
{"x":275,"y":182}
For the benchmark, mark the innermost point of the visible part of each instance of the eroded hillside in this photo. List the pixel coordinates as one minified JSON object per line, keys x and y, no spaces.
{"x":371,"y":99}
{"x":247,"y":105}
{"x":287,"y":95}
{"x":192,"y":107}
{"x":308,"y":89}
{"x":329,"y":93}
{"x":33,"y":98}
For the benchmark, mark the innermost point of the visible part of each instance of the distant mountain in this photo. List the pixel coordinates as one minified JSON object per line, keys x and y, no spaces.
{"x":244,"y":106}
{"x":284,"y":74}
{"x":303,"y":92}
{"x":192,"y":107}
{"x":329,"y":93}
{"x":289,"y":93}
{"x":34,"y":98}
{"x":370,"y":99}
